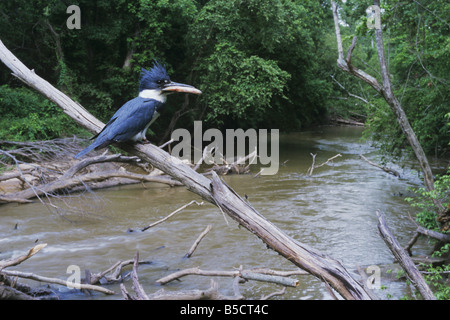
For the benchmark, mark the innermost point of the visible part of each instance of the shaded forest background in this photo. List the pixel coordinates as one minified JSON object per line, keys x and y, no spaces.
{"x":260,"y":64}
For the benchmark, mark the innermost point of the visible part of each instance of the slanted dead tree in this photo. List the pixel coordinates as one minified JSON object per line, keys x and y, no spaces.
{"x":212,"y":190}
{"x":385,"y":90}
{"x":403,"y":258}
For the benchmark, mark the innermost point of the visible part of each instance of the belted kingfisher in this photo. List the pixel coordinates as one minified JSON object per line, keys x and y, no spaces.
{"x":132,"y":120}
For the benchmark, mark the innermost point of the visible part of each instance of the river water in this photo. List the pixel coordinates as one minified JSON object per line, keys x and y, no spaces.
{"x":333,"y":211}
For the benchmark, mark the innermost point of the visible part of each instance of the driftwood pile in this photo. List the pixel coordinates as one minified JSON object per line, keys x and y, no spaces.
{"x":46,"y":169}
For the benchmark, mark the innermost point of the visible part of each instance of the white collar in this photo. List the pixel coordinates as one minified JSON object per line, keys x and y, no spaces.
{"x":154,"y":94}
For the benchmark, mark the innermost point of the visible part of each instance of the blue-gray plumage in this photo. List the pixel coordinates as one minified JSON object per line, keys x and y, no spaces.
{"x":131,"y":121}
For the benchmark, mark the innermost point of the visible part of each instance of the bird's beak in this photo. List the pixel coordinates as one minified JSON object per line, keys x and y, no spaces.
{"x":180,"y":87}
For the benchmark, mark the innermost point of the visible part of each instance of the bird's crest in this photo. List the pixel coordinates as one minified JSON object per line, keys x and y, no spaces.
{"x":149,"y":77}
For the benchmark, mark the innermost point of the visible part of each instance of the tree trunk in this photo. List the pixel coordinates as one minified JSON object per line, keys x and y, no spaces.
{"x":323,"y":267}
{"x":385,"y":90}
{"x":395,"y":105}
{"x":405,"y":261}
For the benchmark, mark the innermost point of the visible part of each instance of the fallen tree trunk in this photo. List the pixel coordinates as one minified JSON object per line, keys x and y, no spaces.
{"x":323,"y":267}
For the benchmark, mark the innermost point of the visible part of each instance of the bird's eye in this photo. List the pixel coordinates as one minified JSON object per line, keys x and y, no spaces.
{"x":160,"y":82}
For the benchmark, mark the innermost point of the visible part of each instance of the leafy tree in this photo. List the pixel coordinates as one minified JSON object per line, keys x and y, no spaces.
{"x":417,"y":48}
{"x":258,"y":62}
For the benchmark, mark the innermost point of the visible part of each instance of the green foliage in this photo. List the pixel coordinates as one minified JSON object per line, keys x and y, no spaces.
{"x":261,"y":63}
{"x":424,"y":200}
{"x":29,"y":116}
{"x":416,"y":40}
{"x":437,"y":276}
{"x":245,"y":88}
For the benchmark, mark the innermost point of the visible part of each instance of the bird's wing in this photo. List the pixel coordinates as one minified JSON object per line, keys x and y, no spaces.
{"x":130,"y":119}
{"x":106,"y":126}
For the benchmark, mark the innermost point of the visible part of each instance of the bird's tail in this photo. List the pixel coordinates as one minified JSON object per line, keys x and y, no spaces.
{"x":99,"y":143}
{"x":86,"y":150}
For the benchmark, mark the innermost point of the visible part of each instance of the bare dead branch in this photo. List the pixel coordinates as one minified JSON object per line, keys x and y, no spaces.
{"x":385,"y":169}
{"x":40,"y":151}
{"x":112,"y":274}
{"x":272,"y":276}
{"x":313,"y":166}
{"x":22,"y":258}
{"x":166,"y":143}
{"x":350,"y":52}
{"x":248,"y":275}
{"x":412,"y":242}
{"x":97,"y":159}
{"x":349,"y":93}
{"x":136,"y":285}
{"x":197,"y":241}
{"x":434,"y":234}
{"x":170,"y":215}
{"x":14,"y":175}
{"x":13,"y":262}
{"x":273,"y":294}
{"x":53,"y":187}
{"x":32,"y":276}
{"x":210,"y":294}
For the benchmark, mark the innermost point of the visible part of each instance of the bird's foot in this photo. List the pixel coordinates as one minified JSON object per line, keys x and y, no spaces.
{"x":144,"y":141}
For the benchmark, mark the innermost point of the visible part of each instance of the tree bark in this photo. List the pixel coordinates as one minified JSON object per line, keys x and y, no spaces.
{"x":323,"y":267}
{"x":402,"y":119}
{"x":385,"y":90}
{"x":405,"y":261}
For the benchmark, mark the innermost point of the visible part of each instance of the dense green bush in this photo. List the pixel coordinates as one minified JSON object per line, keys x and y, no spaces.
{"x":424,"y":200}
{"x":27,"y":115}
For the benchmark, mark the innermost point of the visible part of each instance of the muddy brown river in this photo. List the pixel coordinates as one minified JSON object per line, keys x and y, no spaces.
{"x":333,"y":211}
